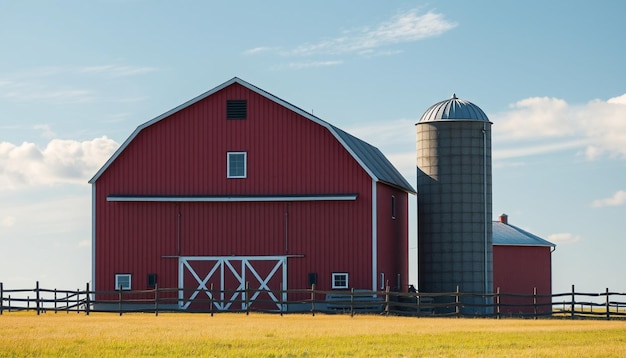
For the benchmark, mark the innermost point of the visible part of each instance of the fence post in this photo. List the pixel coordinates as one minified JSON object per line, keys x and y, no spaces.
{"x":281,"y":299}
{"x":247,"y":298}
{"x":387,"y":300}
{"x":55,"y":302}
{"x":37,"y":297}
{"x":573,"y":303}
{"x":78,"y":300}
{"x":352,"y":302}
{"x":87,"y":303}
{"x":418,"y":300}
{"x":1,"y":298}
{"x":535,"y":301}
{"x":313,"y":300}
{"x":120,"y":300}
{"x":608,"y":306}
{"x":457,"y":302}
{"x":156,"y":299}
{"x":498,"y":302}
{"x":211,"y":300}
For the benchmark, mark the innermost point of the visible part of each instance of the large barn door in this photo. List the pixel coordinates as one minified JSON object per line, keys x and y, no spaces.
{"x":228,"y":275}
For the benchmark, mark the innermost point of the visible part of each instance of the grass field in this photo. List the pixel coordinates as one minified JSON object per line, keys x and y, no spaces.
{"x":265,"y":335}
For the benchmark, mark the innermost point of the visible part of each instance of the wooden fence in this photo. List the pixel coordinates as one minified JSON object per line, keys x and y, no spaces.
{"x":570,"y":305}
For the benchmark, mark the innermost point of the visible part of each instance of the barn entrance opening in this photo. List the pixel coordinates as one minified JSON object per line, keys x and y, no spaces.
{"x":232,"y":283}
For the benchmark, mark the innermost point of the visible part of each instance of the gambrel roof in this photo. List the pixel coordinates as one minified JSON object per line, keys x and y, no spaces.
{"x":369,"y":157}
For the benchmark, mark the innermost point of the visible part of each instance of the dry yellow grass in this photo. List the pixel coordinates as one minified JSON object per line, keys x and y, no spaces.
{"x":264,"y":335}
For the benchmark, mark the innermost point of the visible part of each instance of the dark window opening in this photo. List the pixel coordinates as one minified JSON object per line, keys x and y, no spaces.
{"x":236,"y":109}
{"x":393,"y":207}
{"x":152,"y":280}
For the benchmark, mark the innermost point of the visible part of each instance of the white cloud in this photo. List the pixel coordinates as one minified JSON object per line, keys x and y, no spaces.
{"x":618,"y":100}
{"x":84,"y":243}
{"x":536,"y":117}
{"x":595,"y":128}
{"x":258,"y":50}
{"x":619,"y":198}
{"x":32,"y":91}
{"x":564,"y":238}
{"x":385,"y":131}
{"x":46,"y":131}
{"x":537,"y":149}
{"x":7,"y":221}
{"x":57,"y":84}
{"x":409,"y":26}
{"x":311,"y":64}
{"x":61,"y":161}
{"x":116,"y":70}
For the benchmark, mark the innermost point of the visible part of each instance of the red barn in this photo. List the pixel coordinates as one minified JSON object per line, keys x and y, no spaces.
{"x":522,"y":265}
{"x":238,"y":186}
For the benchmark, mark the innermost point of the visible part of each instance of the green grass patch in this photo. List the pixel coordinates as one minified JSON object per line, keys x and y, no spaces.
{"x":266,"y":335}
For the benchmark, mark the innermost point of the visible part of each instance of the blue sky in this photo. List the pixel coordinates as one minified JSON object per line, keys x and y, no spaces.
{"x":77,"y":77}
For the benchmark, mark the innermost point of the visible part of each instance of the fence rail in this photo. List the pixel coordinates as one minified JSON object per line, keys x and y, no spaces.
{"x":570,"y":305}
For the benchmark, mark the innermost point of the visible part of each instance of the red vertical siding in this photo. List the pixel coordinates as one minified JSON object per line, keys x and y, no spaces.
{"x":392,"y":238}
{"x":520,"y":269}
{"x":185,"y":154}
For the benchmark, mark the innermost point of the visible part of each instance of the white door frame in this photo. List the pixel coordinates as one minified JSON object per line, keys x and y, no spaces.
{"x":237,"y":266}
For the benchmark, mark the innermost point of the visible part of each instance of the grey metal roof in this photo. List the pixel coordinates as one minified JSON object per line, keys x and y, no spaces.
{"x":454,"y":109}
{"x":375,"y":160}
{"x":506,"y":234}
{"x":369,"y":157}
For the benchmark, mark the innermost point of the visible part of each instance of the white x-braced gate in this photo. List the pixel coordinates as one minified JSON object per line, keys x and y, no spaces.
{"x":235,"y":267}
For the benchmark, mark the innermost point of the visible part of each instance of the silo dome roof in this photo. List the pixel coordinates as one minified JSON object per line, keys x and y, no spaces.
{"x":454,"y":109}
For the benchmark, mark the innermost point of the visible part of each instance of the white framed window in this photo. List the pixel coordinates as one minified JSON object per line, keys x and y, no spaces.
{"x":340,"y":280}
{"x":236,"y":166}
{"x":123,"y":281}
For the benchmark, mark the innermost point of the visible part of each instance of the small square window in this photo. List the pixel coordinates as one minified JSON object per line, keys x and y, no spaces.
{"x":236,"y":167}
{"x":340,"y":280}
{"x":123,"y":281}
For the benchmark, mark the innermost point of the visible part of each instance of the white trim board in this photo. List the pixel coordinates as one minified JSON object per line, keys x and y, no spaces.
{"x":220,"y":199}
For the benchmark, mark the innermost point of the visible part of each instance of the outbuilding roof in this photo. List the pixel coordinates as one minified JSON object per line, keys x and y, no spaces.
{"x":506,"y":234}
{"x":371,"y":159}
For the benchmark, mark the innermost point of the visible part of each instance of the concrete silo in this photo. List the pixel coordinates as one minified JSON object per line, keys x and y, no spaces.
{"x":454,"y":202}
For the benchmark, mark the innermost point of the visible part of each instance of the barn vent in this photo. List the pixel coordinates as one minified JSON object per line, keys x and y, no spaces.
{"x":236,"y":109}
{"x":504,"y":218}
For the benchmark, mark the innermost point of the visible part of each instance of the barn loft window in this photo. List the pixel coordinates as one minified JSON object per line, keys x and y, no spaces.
{"x":123,"y":281}
{"x":236,"y":164}
{"x":236,"y":109}
{"x":340,"y":280}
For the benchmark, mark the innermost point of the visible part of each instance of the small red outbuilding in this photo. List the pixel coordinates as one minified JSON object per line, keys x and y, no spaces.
{"x":238,"y":186}
{"x":522,"y":265}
